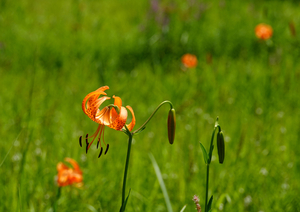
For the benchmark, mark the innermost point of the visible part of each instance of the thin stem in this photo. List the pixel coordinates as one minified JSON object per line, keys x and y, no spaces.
{"x":146,"y":122}
{"x":211,"y":145}
{"x":212,"y":141}
{"x":206,"y":190}
{"x":130,"y":135}
{"x":209,"y":161}
{"x":56,"y":200}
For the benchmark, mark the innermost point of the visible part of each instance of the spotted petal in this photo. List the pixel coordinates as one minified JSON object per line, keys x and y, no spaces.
{"x":120,"y":120}
{"x":132,"y":123}
{"x":89,"y":101}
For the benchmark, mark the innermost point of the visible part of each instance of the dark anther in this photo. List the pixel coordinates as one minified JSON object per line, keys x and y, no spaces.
{"x":98,"y":143}
{"x":106,"y":149}
{"x":87,"y":147}
{"x":100,"y":152}
{"x":86,"y":138}
{"x":80,"y":143}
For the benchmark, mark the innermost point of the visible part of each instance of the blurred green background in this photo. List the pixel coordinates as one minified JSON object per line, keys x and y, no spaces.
{"x":53,"y":53}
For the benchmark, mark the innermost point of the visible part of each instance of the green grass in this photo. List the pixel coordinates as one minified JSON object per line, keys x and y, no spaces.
{"x":53,"y":53}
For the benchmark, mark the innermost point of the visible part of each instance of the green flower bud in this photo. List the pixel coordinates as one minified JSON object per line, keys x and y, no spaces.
{"x":171,"y":125}
{"x":221,"y":146}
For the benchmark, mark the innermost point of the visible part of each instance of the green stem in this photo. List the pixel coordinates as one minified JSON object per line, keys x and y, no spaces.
{"x":130,"y":135}
{"x":212,"y":141}
{"x":209,"y":161}
{"x":56,"y":200}
{"x":146,"y":122}
{"x":211,"y":145}
{"x":206,"y":190}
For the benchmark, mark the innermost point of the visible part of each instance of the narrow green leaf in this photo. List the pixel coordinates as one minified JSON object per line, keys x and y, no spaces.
{"x":210,"y":152}
{"x":10,"y":149}
{"x":205,"y":156}
{"x":99,"y":207}
{"x":125,"y":203}
{"x":161,"y":183}
{"x":122,"y":209}
{"x":91,"y":208}
{"x":140,"y":130}
{"x":183,"y":208}
{"x":209,"y":203}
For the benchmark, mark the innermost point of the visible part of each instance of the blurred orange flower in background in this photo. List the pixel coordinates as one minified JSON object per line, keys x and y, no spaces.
{"x":189,"y":60}
{"x":68,"y":176}
{"x":263,"y":31}
{"x":114,"y":115}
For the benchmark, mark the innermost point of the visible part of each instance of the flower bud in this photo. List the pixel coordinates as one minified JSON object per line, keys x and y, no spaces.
{"x":221,"y":146}
{"x":171,"y":125}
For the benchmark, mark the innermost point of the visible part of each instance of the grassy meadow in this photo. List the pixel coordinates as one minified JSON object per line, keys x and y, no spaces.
{"x":53,"y":53}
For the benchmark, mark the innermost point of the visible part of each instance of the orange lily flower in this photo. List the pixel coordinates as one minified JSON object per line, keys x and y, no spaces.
{"x":189,"y":60}
{"x":114,"y":115}
{"x":263,"y":31}
{"x":68,"y":176}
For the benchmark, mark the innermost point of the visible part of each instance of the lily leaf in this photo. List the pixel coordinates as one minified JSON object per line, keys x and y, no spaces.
{"x":140,"y":130}
{"x":205,"y":156}
{"x":122,"y":209}
{"x":210,"y":152}
{"x":209,"y":203}
{"x":126,"y":199}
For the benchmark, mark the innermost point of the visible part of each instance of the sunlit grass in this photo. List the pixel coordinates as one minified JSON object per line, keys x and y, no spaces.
{"x":53,"y":53}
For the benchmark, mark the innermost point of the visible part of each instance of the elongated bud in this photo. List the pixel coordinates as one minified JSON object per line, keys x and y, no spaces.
{"x":221,"y":146}
{"x":171,"y":125}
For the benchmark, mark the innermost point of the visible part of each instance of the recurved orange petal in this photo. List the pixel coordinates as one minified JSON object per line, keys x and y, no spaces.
{"x":62,"y":177}
{"x":60,"y":167}
{"x":117,"y":101}
{"x":99,"y":115}
{"x":74,"y":164}
{"x":106,"y":117}
{"x":88,"y":101}
{"x":132,"y":123}
{"x":113,"y":113}
{"x":120,"y":121}
{"x":91,"y":97}
{"x":75,"y":178}
{"x":66,"y":175}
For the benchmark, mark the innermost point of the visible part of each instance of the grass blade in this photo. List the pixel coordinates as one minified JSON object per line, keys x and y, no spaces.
{"x":205,"y":155}
{"x":161,"y":182}
{"x":10,"y":149}
{"x":183,"y":208}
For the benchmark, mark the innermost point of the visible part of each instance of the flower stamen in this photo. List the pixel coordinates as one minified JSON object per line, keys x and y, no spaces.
{"x":80,"y":141}
{"x":100,"y":152}
{"x":87,"y":143}
{"x":86,"y":138}
{"x":98,"y":142}
{"x":107,"y":147}
{"x":100,"y":127}
{"x":99,"y":133}
{"x":86,"y":149}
